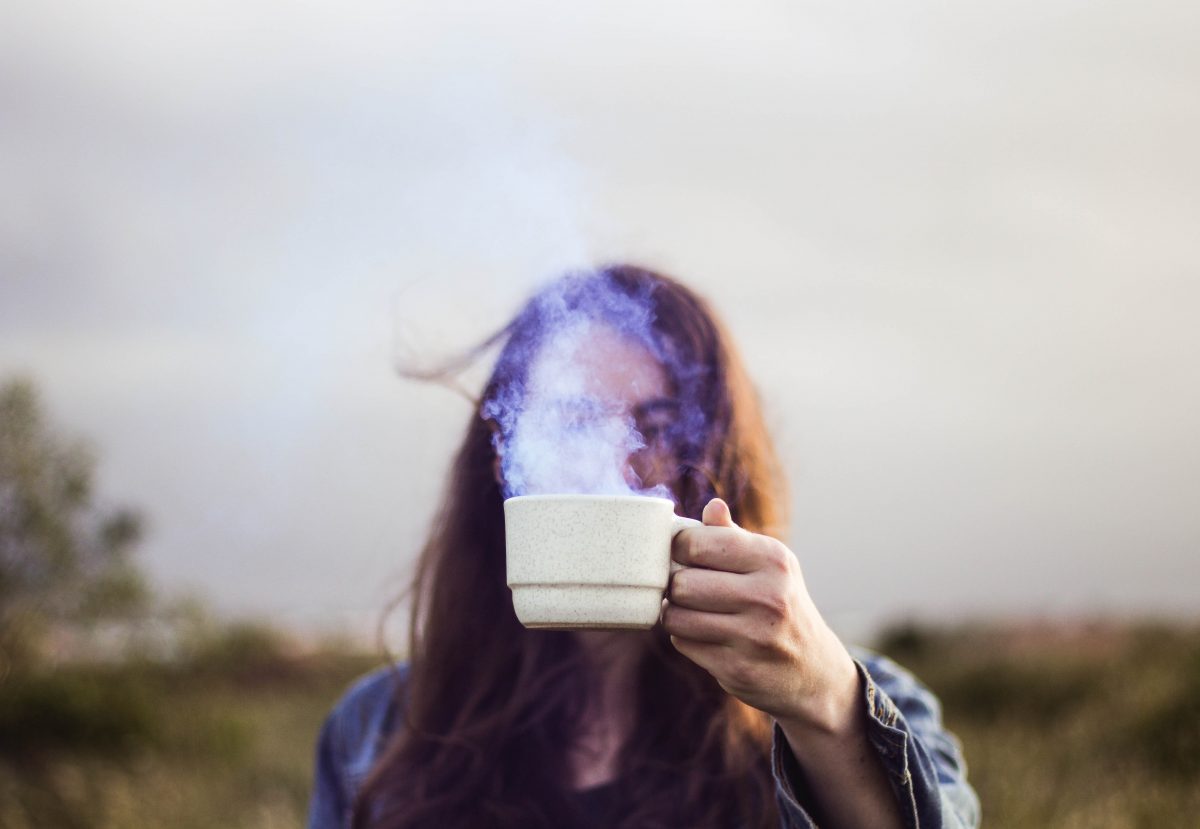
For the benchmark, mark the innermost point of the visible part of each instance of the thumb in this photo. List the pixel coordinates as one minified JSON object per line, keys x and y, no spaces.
{"x":716,"y":514}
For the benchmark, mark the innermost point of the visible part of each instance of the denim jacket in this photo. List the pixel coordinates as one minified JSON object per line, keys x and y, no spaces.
{"x":923,"y":761}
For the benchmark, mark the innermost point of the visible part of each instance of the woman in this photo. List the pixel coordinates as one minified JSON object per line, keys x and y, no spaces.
{"x":741,"y":709}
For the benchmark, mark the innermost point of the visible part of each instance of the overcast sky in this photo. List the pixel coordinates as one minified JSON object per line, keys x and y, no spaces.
{"x":956,"y":245}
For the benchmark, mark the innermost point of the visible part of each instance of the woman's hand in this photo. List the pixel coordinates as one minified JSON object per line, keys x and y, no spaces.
{"x":740,"y":610}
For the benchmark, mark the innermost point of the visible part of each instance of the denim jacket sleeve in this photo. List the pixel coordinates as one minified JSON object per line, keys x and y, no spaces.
{"x":351,"y":738}
{"x":923,"y":761}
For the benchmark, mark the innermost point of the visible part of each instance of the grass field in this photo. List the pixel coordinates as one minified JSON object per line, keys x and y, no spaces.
{"x":1063,"y":726}
{"x":1091,"y":726}
{"x":222,"y":739}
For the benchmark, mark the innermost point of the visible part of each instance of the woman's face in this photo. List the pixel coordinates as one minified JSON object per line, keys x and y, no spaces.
{"x":613,"y":379}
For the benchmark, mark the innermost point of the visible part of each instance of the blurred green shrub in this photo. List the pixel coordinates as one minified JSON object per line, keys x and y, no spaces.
{"x":907,"y":641}
{"x":244,"y":652}
{"x":63,"y":559}
{"x":1036,"y":694}
{"x":987,"y":675}
{"x":108,"y":711}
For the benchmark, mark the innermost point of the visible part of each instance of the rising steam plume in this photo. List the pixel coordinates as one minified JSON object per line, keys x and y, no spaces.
{"x":553,"y":436}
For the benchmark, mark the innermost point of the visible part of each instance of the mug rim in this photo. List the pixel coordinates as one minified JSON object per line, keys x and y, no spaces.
{"x":578,"y":496}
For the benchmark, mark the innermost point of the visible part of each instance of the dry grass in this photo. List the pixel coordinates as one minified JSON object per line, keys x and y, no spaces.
{"x":1070,"y":726}
{"x":1091,"y":726}
{"x":224,"y":740}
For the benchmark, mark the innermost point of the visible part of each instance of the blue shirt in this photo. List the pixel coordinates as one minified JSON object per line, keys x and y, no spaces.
{"x":923,"y":761}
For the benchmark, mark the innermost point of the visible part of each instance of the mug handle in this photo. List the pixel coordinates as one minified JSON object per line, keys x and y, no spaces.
{"x":678,"y":525}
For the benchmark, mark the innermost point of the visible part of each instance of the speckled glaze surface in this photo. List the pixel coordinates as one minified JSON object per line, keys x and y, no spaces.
{"x":589,"y":561}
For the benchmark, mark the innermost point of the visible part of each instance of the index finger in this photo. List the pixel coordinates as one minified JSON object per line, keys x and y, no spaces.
{"x":717,"y":548}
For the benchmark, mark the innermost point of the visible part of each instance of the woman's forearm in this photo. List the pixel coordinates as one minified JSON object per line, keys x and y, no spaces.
{"x":841,"y":769}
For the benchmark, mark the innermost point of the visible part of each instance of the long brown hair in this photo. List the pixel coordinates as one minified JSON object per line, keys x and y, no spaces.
{"x":491,"y":709}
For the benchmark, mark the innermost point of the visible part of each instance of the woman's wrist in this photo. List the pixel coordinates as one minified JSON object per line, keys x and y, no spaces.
{"x":833,"y":713}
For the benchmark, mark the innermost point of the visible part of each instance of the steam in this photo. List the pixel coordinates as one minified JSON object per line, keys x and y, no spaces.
{"x":559,"y":433}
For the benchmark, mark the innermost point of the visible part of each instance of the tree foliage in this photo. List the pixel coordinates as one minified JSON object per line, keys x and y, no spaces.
{"x":65,"y":559}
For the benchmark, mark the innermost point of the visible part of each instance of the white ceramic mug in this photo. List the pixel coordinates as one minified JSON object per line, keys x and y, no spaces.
{"x":589,"y":561}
